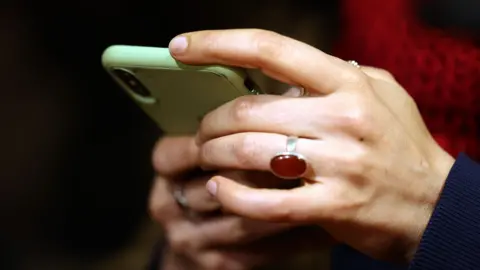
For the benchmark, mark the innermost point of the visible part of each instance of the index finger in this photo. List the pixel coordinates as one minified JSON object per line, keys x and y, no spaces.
{"x":279,"y":56}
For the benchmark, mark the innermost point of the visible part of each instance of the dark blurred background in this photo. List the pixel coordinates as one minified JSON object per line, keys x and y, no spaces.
{"x":75,"y":165}
{"x":75,"y":168}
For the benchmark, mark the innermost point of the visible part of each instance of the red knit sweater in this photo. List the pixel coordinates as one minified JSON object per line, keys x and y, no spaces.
{"x":441,"y":71}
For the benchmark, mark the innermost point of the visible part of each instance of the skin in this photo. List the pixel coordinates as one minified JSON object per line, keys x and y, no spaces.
{"x":375,"y":171}
{"x":213,"y":240}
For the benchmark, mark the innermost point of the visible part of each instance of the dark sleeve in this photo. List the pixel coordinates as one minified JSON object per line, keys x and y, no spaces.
{"x":156,"y":256}
{"x":452,"y":238}
{"x":347,"y":258}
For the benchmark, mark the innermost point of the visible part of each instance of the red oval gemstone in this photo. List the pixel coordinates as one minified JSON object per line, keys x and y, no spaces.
{"x":288,"y":166}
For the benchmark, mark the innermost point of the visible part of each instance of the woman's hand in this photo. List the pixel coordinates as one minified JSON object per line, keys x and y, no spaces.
{"x":375,"y":173}
{"x":201,"y":237}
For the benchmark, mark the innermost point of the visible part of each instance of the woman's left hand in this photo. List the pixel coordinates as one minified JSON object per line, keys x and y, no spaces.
{"x":375,"y":172}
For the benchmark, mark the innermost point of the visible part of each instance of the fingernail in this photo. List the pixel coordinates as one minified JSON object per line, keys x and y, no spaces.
{"x":294,"y":92}
{"x":178,"y":45}
{"x":212,"y":187}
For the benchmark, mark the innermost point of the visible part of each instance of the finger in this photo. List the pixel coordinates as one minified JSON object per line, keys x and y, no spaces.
{"x":196,"y":196}
{"x":199,"y":200}
{"x":162,"y":206}
{"x":254,"y":151}
{"x":305,"y":204}
{"x":312,"y":117}
{"x":266,"y":113}
{"x":289,"y":60}
{"x":186,"y":236}
{"x":174,"y":155}
{"x":258,"y":179}
{"x":283,"y":250}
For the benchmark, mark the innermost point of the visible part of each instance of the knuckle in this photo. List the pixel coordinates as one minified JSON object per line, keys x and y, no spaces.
{"x":179,"y":242}
{"x":243,"y":109}
{"x":385,"y":74}
{"x":356,"y":161}
{"x":354,"y":118}
{"x":354,"y":77}
{"x":357,"y":117}
{"x":268,"y":45}
{"x":205,"y":154}
{"x":209,"y":42}
{"x":246,"y":151}
{"x":280,"y":212}
{"x":378,"y":73}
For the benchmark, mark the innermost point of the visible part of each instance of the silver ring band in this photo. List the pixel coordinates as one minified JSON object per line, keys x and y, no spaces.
{"x":291,"y":144}
{"x":182,"y":202}
{"x":179,"y":196}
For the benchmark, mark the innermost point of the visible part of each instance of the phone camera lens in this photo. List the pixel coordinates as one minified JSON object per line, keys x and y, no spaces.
{"x":133,"y":83}
{"x":251,"y":86}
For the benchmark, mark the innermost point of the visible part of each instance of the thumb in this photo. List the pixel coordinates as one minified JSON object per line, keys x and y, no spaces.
{"x":297,"y":205}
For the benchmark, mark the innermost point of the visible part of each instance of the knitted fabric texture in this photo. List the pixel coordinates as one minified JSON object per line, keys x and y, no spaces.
{"x":439,"y":68}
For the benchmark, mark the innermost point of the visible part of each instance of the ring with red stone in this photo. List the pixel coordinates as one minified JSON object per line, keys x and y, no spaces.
{"x":289,"y":164}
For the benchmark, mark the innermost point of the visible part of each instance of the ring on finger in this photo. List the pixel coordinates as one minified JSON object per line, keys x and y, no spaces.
{"x":182,"y":201}
{"x":289,"y":164}
{"x":354,"y":63}
{"x":179,"y":196}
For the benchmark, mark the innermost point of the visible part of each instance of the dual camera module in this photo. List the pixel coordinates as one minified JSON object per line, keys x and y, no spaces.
{"x":129,"y":79}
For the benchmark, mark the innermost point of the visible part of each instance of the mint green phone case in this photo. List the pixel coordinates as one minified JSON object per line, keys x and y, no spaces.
{"x":180,"y":95}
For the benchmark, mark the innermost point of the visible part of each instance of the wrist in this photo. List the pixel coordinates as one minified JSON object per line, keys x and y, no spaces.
{"x":443,"y":165}
{"x":440,"y":164}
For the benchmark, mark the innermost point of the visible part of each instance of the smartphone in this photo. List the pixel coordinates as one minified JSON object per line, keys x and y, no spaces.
{"x":176,"y":96}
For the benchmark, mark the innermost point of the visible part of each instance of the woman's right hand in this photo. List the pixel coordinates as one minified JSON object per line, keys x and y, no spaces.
{"x":200,"y":236}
